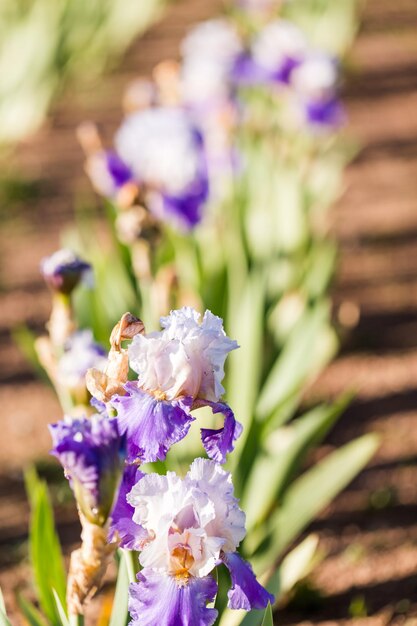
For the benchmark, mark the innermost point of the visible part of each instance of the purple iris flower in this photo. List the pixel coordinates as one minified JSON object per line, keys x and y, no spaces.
{"x":315,"y":84}
{"x":324,"y":114}
{"x":179,"y":369}
{"x":191,"y":525}
{"x":91,"y":452}
{"x":275,"y":52}
{"x":64,"y":270}
{"x":165,"y":152}
{"x":81,"y":353}
{"x":118,"y":170}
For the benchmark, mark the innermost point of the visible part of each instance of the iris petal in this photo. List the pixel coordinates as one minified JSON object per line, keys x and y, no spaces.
{"x":246,"y":592}
{"x":152,"y":426}
{"x":218,"y":443}
{"x":160,"y":599}
{"x":122,"y":526}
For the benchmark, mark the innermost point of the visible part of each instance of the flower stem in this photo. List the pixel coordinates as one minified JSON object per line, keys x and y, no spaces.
{"x":76,"y":619}
{"x":129,"y":556}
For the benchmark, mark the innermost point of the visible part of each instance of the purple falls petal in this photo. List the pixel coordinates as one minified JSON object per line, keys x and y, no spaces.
{"x":118,"y":170}
{"x":122,"y":526}
{"x":246,"y":593}
{"x":152,"y":426}
{"x":187,"y":207}
{"x":218,"y":443}
{"x":158,"y":600}
{"x":324,"y":113}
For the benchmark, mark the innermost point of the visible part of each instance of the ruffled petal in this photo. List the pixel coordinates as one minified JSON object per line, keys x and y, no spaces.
{"x":218,"y":443}
{"x":122,"y":527}
{"x":158,"y":599}
{"x":152,"y":426}
{"x":246,"y":593}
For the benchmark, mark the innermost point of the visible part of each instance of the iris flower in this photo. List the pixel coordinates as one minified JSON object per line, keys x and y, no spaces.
{"x":179,"y":369}
{"x":191,"y":526}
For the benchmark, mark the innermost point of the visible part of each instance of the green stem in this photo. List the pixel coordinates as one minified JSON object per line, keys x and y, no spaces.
{"x":76,"y":620}
{"x":129,"y":556}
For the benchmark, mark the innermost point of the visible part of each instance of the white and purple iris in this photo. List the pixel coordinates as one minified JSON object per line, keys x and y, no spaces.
{"x":258,"y":7}
{"x":186,"y":527}
{"x":165,"y":153}
{"x":315,"y":84}
{"x":209,"y":53}
{"x":64,"y":270}
{"x":107,"y":172}
{"x":91,"y":452}
{"x":81,"y":353}
{"x":277,"y":49}
{"x":179,"y":369}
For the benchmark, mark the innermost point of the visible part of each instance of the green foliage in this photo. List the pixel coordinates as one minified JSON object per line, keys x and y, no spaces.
{"x":4,"y":620}
{"x":306,"y":497}
{"x":25,"y":340}
{"x":261,"y":261}
{"x":268,"y":619}
{"x":29,"y":610}
{"x":119,"y":615}
{"x":61,"y":610}
{"x":45,"y":550}
{"x":45,"y":43}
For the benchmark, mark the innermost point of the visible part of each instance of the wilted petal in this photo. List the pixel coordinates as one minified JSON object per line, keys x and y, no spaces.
{"x":246,"y":593}
{"x":152,"y":426}
{"x":218,"y":443}
{"x":158,"y":599}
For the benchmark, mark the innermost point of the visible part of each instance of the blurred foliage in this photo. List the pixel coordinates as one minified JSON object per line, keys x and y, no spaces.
{"x":43,"y":43}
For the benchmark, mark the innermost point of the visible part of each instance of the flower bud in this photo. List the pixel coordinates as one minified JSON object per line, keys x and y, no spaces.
{"x":64,"y":270}
{"x":91,"y":452}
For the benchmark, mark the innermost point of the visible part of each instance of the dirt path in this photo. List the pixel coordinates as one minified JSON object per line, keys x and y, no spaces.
{"x":370,"y":532}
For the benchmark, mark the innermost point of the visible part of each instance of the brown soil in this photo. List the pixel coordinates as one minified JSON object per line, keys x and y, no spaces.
{"x":370,"y":532}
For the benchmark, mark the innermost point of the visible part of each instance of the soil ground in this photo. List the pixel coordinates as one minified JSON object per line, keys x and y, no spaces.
{"x":370,"y":531}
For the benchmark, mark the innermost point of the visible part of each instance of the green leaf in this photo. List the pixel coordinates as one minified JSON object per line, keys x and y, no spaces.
{"x":31,"y":613}
{"x":309,"y":495}
{"x":286,"y":451}
{"x":4,"y":620}
{"x":25,"y":340}
{"x":268,"y":619}
{"x":245,"y":363}
{"x":61,"y":610}
{"x":119,"y":614}
{"x":296,"y":362}
{"x":297,"y":565}
{"x":321,"y":269}
{"x":43,"y":540}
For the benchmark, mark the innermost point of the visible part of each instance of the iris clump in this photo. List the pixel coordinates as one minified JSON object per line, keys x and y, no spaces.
{"x":216,"y":183}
